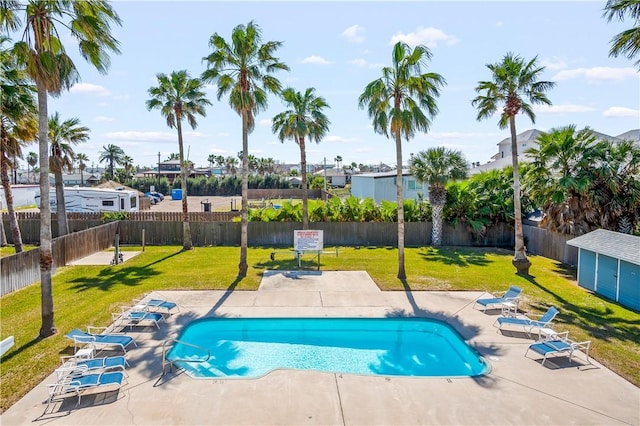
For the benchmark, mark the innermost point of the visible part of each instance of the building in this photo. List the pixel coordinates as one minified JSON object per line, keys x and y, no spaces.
{"x":84,"y":179}
{"x":382,"y":186}
{"x":529,"y":139}
{"x":609,"y":264}
{"x":170,"y":169}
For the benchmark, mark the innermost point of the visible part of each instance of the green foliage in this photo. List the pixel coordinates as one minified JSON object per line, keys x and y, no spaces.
{"x":211,"y":186}
{"x":114,"y":216}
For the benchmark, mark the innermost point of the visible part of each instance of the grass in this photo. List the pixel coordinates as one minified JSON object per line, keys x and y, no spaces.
{"x":86,"y":295}
{"x":10,"y":249}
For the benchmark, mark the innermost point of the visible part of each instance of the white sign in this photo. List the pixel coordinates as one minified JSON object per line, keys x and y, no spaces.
{"x":307,"y":240}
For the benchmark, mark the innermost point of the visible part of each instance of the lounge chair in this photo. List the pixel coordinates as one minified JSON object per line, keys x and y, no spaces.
{"x":510,"y":296}
{"x":156,"y":305}
{"x":80,"y":338}
{"x":76,"y":385}
{"x":559,"y":344}
{"x":527,"y":323}
{"x":73,"y":366}
{"x":130,"y":317}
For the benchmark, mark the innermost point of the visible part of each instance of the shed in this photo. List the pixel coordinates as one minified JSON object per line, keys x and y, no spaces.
{"x":609,"y":264}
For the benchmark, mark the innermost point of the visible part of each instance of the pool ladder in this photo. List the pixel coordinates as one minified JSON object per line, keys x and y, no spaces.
{"x":167,"y":343}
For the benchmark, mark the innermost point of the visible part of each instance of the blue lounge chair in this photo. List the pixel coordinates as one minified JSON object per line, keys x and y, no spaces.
{"x":157,"y":305}
{"x":131,"y":317}
{"x":76,"y":385}
{"x":72,"y":365}
{"x":80,"y":338}
{"x":559,"y":344}
{"x":510,"y":296}
{"x":527,"y":323}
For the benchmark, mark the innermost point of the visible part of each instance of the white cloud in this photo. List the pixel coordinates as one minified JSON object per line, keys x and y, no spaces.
{"x":104,"y":119}
{"x":562,"y":109}
{"x":223,"y":134}
{"x":265,"y":122}
{"x":339,"y":139}
{"x":93,"y":89}
{"x":363,"y":63}
{"x":554,"y":63}
{"x":133,"y":136}
{"x":354,"y":34}
{"x":319,"y":60}
{"x":499,"y":24}
{"x":597,"y":73}
{"x":427,"y":36}
{"x":621,"y":112}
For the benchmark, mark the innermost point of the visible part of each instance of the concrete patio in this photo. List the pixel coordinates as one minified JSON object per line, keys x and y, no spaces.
{"x":518,"y":390}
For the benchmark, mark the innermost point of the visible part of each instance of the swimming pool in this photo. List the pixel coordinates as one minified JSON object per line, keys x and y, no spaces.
{"x":252,"y":347}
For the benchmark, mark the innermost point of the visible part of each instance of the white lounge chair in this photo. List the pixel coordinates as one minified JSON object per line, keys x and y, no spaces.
{"x":80,"y":338}
{"x":527,"y":323}
{"x":76,"y":385}
{"x":132,"y":316}
{"x":510,"y":296}
{"x":559,"y":344}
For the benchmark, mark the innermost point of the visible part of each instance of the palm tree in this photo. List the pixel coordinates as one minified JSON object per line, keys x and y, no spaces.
{"x":47,"y":63}
{"x":179,"y":97}
{"x":18,"y":113}
{"x":62,"y":136}
{"x":82,"y":165}
{"x":435,"y":167}
{"x":338,"y":161}
{"x":395,"y":103}
{"x":304,"y":119}
{"x":514,"y":82}
{"x":211,"y":159}
{"x":626,"y":43}
{"x":230,"y":164}
{"x":113,"y":155}
{"x":127,"y":163}
{"x":244,"y":69}
{"x":32,"y":160}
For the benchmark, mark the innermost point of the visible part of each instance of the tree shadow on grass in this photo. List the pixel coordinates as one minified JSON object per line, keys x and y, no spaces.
{"x":455,"y":256}
{"x":467,"y":331}
{"x":119,"y":274}
{"x":601,"y":323}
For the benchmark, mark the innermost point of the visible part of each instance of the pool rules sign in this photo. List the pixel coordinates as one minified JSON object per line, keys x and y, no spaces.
{"x":307,"y":240}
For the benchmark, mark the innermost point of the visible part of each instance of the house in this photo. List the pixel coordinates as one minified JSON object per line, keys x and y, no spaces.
{"x":529,"y":139}
{"x":78,"y":179}
{"x":169,"y":169}
{"x":609,"y":264}
{"x":335,"y":177}
{"x":382,"y":186}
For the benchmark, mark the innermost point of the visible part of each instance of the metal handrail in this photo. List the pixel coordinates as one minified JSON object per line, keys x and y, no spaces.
{"x":165,"y":361}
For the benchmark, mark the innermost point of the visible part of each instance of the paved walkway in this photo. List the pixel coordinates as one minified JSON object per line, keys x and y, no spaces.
{"x":518,"y":390}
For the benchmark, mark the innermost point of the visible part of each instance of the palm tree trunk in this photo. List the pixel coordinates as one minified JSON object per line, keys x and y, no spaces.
{"x":243,"y":266}
{"x":520,"y":260}
{"x":436,"y":223}
{"x":61,"y":207}
{"x":305,"y":194}
{"x":401,"y":272}
{"x":187,"y":244}
{"x":8,"y":195}
{"x":48,"y":327}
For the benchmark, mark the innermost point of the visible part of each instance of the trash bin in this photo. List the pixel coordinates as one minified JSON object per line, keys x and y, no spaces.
{"x":176,"y":194}
{"x":206,"y":207}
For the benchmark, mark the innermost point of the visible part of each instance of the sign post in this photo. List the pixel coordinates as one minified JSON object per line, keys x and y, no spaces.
{"x":307,"y":241}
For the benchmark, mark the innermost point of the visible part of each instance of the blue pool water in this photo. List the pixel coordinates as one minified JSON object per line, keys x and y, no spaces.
{"x":252,"y":347}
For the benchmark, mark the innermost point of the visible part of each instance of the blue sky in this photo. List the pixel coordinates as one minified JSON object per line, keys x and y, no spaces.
{"x":338,"y":48}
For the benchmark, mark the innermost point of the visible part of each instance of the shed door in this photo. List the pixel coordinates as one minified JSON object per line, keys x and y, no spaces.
{"x":587,"y":270}
{"x":629,"y":292}
{"x":607,"y":276}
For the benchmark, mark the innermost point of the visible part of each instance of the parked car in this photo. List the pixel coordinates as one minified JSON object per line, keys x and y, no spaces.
{"x":157,"y":194}
{"x":153,"y":198}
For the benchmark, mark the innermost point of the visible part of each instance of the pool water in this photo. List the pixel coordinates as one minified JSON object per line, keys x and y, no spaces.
{"x":252,"y":347}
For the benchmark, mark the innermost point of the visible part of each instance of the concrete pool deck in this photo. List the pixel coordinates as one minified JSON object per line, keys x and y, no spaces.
{"x":518,"y":390}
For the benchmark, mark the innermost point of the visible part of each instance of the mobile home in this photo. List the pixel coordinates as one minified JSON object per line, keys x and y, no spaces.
{"x":94,"y":200}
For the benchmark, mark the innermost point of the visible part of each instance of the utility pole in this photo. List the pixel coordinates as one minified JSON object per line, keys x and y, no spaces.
{"x":158,"y":189}
{"x":325,"y":174}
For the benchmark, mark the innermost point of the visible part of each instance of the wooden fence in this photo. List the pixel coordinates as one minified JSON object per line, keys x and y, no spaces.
{"x":22,"y":269}
{"x":550,"y":244}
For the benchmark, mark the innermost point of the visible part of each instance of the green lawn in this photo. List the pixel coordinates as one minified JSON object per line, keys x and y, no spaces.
{"x":10,"y":249}
{"x":86,"y":295}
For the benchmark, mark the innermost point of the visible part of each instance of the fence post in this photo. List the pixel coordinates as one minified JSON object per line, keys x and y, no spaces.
{"x":142,"y":239}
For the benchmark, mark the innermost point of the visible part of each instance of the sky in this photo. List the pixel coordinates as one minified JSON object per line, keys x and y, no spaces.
{"x":338,"y":48}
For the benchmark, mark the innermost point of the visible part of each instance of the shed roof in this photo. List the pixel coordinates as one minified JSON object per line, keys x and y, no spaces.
{"x":615,"y":244}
